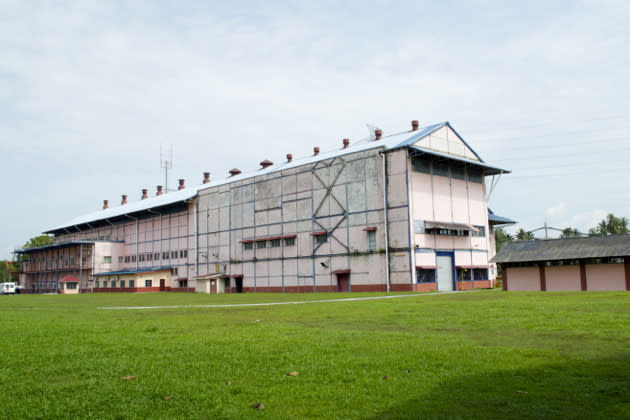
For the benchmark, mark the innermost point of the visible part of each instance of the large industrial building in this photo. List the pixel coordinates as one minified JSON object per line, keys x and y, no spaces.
{"x":404,"y":212}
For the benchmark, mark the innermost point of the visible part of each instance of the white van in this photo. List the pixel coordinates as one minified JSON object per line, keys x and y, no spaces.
{"x":7,"y":288}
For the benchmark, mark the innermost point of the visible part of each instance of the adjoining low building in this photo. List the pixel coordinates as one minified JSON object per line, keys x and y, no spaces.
{"x":400,"y":212}
{"x":590,"y":263}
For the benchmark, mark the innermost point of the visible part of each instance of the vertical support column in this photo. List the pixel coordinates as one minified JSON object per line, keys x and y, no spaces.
{"x":543,"y":279}
{"x":626,"y":263}
{"x":504,"y":275}
{"x":583,"y":285}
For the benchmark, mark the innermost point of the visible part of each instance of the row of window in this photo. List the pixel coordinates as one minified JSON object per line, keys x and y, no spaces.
{"x":149,"y":256}
{"x":428,"y":275}
{"x":420,"y":226}
{"x":273,"y":243}
{"x":112,"y":284}
{"x":319,"y":238}
{"x":444,"y":169}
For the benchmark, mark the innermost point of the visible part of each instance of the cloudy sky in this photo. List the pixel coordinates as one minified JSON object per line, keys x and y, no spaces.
{"x":89,"y":91}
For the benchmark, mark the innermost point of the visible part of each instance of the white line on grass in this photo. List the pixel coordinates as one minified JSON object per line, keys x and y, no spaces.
{"x":233,"y":305}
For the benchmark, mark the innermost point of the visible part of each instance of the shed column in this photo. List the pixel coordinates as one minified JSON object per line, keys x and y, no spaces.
{"x":504,"y":276}
{"x":626,"y":263}
{"x":543,"y":280}
{"x":583,"y":285}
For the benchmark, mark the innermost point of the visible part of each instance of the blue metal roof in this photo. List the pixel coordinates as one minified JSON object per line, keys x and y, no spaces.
{"x":499,"y":220}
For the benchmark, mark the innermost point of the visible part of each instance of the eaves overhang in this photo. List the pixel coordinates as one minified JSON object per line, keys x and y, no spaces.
{"x":488,"y":169}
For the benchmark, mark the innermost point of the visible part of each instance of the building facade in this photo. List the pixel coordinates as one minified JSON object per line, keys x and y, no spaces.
{"x":591,"y":263}
{"x":405,"y":212}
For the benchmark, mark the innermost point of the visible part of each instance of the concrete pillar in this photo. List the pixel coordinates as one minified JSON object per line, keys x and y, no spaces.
{"x":543,"y":279}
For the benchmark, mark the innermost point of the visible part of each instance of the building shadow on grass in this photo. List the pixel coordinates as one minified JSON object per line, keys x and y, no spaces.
{"x":597,"y":389}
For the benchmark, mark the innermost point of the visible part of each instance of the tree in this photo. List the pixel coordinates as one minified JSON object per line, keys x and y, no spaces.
{"x":570,"y":233}
{"x":611,"y":225}
{"x":501,"y":238}
{"x":522,"y":235}
{"x":40,"y":240}
{"x":7,"y":271}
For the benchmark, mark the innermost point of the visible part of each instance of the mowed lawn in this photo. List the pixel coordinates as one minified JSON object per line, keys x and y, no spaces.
{"x":482,"y":354}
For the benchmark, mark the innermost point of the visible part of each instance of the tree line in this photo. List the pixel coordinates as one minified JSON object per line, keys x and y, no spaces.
{"x":610,"y":225}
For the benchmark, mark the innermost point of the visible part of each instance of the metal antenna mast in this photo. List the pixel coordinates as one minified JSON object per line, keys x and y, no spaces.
{"x":166,"y":164}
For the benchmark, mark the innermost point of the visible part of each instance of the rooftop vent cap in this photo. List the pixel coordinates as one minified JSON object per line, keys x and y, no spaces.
{"x":105,"y":204}
{"x":266,"y":163}
{"x":181,"y":185}
{"x":206,"y":177}
{"x":414,"y":125}
{"x":289,"y":157}
{"x":315,"y":151}
{"x":124,"y":199}
{"x":159,"y":190}
{"x":144,"y":194}
{"x":346,"y":143}
{"x":235,"y":171}
{"x":378,"y":134}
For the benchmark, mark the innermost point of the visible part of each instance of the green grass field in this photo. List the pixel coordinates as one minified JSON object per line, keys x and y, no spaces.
{"x":483,"y":354}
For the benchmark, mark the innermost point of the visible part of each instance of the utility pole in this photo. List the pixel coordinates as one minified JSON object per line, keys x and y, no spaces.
{"x":166,"y":164}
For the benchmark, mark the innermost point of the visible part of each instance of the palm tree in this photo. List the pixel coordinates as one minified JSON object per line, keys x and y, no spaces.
{"x":523,"y":235}
{"x":611,"y":225}
{"x":570,"y":233}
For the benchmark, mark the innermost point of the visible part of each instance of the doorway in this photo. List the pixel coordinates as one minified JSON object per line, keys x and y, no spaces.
{"x":238,"y":283}
{"x":162,"y":285}
{"x":445,"y":272}
{"x":343,"y":282}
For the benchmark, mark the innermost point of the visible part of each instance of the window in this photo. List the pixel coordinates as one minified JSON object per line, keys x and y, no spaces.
{"x":261,"y":244}
{"x":275,"y":243}
{"x":463,"y":274}
{"x":421,"y":165}
{"x":113,"y":284}
{"x":440,"y":168}
{"x":480,"y":274}
{"x":289,"y":241}
{"x":96,"y":284}
{"x":474,"y":175}
{"x":148,"y":283}
{"x":183,"y":283}
{"x":183,"y":253}
{"x":482,"y":231}
{"x":424,"y":275}
{"x":175,"y":271}
{"x":165,"y":255}
{"x":132,"y":283}
{"x":372,"y":240}
{"x":248,"y":245}
{"x":156,"y":257}
{"x":121,"y":284}
{"x":141,"y":257}
{"x":458,"y":172}
{"x":320,"y":239}
{"x":120,"y":260}
{"x":71,"y":285}
{"x":149,"y":257}
{"x":174,"y":254}
{"x":127,"y":258}
{"x":133,"y":258}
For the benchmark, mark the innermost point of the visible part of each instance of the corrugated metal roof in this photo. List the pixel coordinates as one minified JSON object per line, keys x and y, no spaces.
{"x":495,"y":219}
{"x":57,"y":245}
{"x":565,"y":249}
{"x":391,"y":142}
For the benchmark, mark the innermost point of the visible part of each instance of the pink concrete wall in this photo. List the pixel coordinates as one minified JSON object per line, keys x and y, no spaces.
{"x":523,"y":278}
{"x":605,"y":277}
{"x":562,"y":278}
